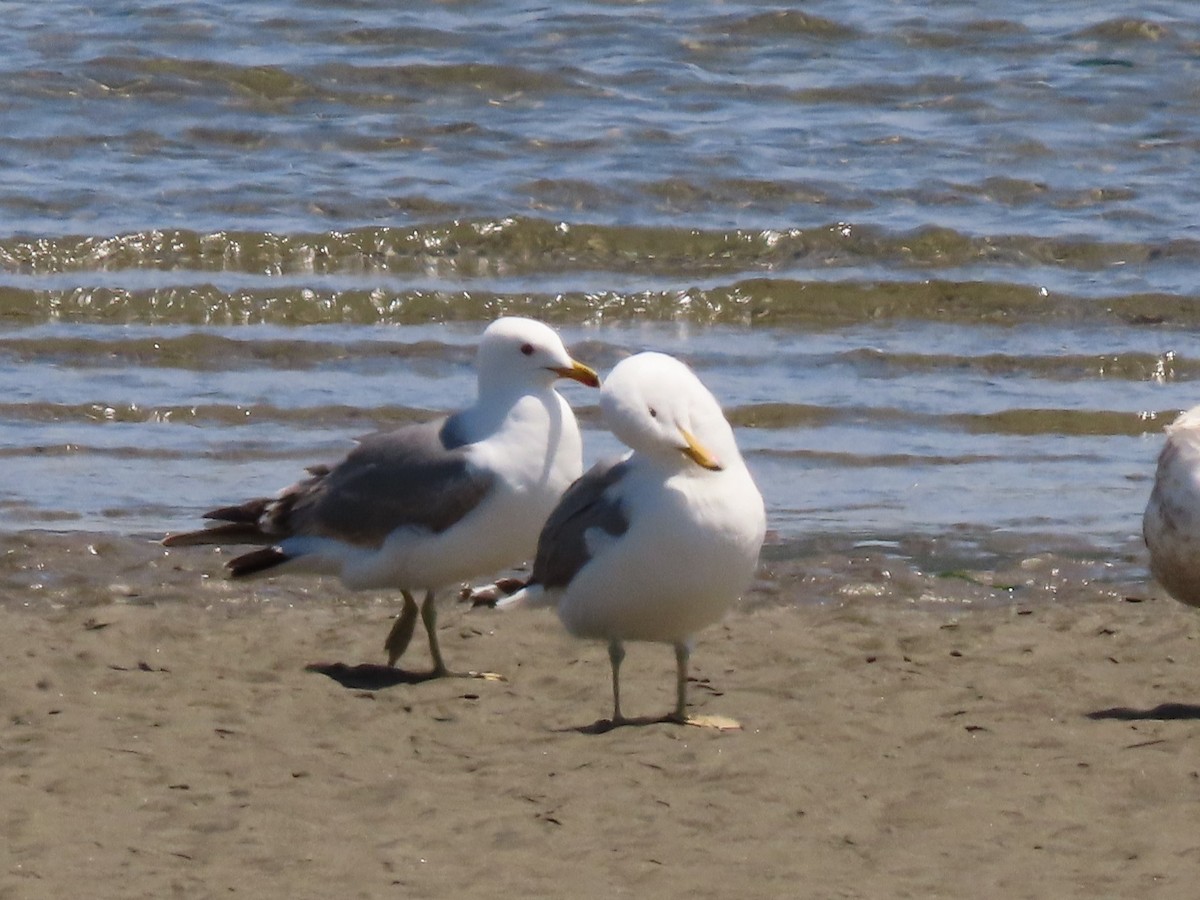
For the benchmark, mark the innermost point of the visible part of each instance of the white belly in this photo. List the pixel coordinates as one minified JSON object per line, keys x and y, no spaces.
{"x":675,"y":571}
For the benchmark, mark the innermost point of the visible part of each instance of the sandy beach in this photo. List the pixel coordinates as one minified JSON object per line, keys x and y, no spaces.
{"x":163,"y":735}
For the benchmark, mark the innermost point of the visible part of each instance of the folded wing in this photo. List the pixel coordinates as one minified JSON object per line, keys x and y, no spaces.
{"x":414,"y":477}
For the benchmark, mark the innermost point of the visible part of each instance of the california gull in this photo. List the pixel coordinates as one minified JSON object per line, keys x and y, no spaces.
{"x":1171,"y":523}
{"x":658,"y":544}
{"x":431,"y":505}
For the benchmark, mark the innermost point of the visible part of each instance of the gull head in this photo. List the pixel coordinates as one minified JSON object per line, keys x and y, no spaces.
{"x":657,"y":405}
{"x":515,"y":351}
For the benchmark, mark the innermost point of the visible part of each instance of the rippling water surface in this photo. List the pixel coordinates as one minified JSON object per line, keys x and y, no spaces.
{"x":936,"y":259}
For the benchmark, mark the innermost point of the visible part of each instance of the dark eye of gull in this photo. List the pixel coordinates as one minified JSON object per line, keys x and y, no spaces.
{"x":653,"y":413}
{"x":527,"y":349}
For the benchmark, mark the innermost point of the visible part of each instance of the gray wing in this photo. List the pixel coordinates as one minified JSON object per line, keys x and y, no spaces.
{"x":417,"y":476}
{"x":587,"y":503}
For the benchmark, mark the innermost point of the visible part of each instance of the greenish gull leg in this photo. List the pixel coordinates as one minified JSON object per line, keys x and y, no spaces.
{"x":401,"y":634}
{"x":429,"y":617}
{"x":683,"y":652}
{"x":616,"y":653}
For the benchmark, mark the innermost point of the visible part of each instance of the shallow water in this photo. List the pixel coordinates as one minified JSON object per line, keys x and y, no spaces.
{"x":937,"y":263}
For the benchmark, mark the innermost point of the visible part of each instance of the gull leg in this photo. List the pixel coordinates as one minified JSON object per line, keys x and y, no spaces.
{"x":683,"y":652}
{"x":401,"y":634}
{"x":429,"y":617}
{"x":616,"y":653}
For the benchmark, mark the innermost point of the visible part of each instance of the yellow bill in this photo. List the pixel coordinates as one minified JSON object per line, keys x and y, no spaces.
{"x":698,"y":453}
{"x":577,"y":371}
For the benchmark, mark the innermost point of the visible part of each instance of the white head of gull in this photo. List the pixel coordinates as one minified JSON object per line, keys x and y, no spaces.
{"x":659,"y":544}
{"x":430,"y":505}
{"x":1171,"y":523}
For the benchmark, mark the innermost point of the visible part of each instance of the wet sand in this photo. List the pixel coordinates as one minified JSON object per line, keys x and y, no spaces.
{"x":162,"y":736}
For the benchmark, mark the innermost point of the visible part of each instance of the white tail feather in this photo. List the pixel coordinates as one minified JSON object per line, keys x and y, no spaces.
{"x":534,"y":595}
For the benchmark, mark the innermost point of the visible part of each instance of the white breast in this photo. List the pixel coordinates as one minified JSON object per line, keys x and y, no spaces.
{"x":690,"y":551}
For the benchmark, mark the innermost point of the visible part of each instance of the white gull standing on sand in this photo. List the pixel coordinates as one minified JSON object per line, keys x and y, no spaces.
{"x":659,"y":544}
{"x":427,"y":506}
{"x":1171,"y":523}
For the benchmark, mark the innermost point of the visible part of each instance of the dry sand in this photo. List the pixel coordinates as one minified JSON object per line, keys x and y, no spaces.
{"x":162,"y":737}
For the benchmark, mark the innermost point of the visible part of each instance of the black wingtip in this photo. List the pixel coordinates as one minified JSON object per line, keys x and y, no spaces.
{"x":256,"y":561}
{"x":226,"y":533}
{"x":248,"y":512}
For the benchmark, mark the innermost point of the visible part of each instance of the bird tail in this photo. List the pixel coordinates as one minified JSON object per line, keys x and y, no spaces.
{"x":492,"y":594}
{"x":241,"y":524}
{"x":532,"y":595}
{"x":228,"y":533}
{"x":510,"y":593}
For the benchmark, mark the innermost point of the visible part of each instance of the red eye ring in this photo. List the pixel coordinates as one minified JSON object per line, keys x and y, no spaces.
{"x":527,"y":349}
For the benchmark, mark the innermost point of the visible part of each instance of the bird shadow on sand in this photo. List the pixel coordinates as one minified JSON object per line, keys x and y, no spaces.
{"x":1164,"y":712}
{"x":604,"y":726}
{"x":369,"y":676}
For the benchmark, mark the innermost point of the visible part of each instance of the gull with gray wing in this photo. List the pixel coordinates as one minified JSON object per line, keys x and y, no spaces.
{"x":658,"y":545}
{"x":430,"y":505}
